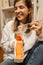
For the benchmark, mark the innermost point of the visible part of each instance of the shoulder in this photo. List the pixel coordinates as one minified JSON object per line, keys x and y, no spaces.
{"x":8,"y":25}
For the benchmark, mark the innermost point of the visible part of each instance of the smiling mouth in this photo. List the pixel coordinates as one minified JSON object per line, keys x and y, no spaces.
{"x":20,"y":14}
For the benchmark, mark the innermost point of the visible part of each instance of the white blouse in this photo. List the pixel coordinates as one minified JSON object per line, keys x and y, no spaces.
{"x":8,"y":38}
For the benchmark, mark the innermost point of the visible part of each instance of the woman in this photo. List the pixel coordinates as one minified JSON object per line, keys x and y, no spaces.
{"x":23,"y":24}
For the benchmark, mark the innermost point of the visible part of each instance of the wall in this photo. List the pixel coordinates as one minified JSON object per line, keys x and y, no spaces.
{"x":40,"y":14}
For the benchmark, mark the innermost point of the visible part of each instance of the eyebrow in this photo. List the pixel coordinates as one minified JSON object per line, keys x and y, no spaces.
{"x":19,"y":5}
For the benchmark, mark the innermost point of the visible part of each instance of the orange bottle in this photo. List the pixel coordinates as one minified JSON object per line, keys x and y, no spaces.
{"x":19,"y":54}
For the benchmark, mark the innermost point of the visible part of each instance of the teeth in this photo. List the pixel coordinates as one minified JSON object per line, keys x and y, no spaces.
{"x":19,"y":14}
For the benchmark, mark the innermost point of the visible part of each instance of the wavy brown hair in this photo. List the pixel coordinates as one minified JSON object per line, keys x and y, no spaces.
{"x":28,"y":3}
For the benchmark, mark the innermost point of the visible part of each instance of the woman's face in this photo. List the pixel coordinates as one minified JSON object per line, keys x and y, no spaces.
{"x":21,"y":11}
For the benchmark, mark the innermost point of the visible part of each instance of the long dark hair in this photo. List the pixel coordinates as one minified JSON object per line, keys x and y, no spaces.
{"x":29,"y":17}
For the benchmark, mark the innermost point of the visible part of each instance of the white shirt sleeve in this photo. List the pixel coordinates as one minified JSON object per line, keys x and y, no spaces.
{"x":30,"y":41}
{"x":6,"y":43}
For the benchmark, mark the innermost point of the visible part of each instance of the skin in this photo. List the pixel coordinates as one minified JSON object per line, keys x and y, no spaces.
{"x":36,"y":25}
{"x":21,"y":11}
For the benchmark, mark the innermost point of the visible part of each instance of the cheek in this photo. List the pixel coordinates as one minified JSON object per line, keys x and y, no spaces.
{"x":26,"y":12}
{"x":15,"y":12}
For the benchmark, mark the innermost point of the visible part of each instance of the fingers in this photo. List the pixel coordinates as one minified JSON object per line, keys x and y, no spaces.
{"x":34,"y":27}
{"x":38,"y":31}
{"x":37,"y":23}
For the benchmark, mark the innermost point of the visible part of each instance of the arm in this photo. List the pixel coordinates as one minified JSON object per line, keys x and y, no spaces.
{"x":5,"y":41}
{"x":30,"y":41}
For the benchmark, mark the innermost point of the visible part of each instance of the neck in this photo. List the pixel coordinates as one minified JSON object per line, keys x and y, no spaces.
{"x":23,"y":22}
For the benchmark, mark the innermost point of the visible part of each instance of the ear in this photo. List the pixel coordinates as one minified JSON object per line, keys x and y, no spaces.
{"x":30,"y":10}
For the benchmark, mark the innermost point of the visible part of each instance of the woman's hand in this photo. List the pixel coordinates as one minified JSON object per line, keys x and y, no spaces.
{"x":36,"y":25}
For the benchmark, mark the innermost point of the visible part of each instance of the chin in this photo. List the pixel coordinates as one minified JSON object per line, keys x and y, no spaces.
{"x":20,"y":19}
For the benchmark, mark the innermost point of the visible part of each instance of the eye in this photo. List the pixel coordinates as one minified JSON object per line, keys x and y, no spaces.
{"x":21,"y":7}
